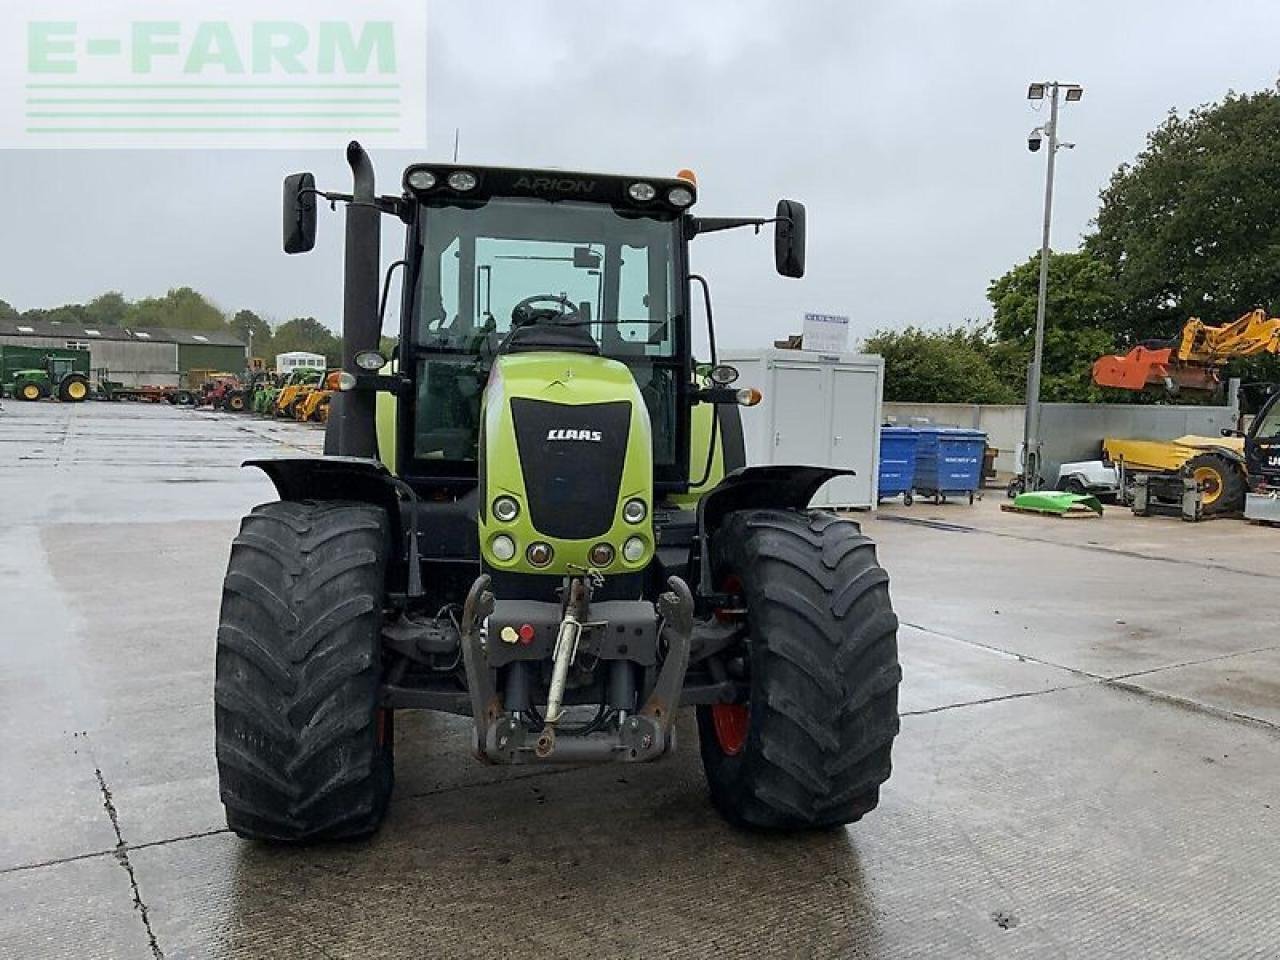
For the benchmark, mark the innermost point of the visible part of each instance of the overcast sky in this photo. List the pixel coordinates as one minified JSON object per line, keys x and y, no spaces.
{"x":902,"y":125}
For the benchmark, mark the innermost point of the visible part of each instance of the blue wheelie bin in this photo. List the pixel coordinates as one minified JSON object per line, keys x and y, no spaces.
{"x":897,"y":463}
{"x":948,"y":460}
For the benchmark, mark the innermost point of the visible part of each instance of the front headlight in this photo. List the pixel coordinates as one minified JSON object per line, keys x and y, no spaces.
{"x":642,"y":192}
{"x":634,"y":511}
{"x":421,"y":180}
{"x":506,"y":509}
{"x":502,"y":547}
{"x":633,"y":550}
{"x":461,"y":180}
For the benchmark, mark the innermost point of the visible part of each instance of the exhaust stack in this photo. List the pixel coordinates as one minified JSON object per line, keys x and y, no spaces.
{"x":351,"y":431}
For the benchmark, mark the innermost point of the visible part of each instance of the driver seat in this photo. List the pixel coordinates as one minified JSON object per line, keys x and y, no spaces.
{"x":551,"y":337}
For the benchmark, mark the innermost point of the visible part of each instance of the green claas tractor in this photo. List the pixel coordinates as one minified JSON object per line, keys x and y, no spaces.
{"x":57,"y":377}
{"x":537,"y":516}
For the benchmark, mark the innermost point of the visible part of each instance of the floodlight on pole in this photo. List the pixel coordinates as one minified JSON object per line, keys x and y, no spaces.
{"x":1030,"y":478}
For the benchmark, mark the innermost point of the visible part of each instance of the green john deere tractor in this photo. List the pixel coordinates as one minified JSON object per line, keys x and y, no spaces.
{"x":56,"y":377}
{"x":538,"y":517}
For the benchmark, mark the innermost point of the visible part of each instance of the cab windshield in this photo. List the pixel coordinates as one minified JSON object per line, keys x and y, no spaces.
{"x":605,"y":274}
{"x":614,"y":273}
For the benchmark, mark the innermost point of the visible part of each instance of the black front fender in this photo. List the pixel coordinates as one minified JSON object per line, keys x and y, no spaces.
{"x":353,"y":478}
{"x":782,"y":487}
{"x":332,"y":478}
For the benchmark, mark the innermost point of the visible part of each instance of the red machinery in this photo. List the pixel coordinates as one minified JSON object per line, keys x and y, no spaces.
{"x":1193,"y":361}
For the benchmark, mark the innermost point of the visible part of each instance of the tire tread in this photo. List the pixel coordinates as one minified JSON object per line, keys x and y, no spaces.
{"x":298,"y":668}
{"x":825,"y":672}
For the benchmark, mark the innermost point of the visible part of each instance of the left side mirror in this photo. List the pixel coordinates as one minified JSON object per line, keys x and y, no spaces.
{"x":299,"y":212}
{"x":788,"y":238}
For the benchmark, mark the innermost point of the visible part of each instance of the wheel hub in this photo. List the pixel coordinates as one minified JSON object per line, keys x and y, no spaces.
{"x":731,"y":722}
{"x":1209,"y":482}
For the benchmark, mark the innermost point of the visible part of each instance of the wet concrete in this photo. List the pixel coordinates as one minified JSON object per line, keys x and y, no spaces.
{"x":1087,"y":766}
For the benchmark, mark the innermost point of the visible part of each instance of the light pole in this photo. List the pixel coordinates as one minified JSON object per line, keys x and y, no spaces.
{"x":1031,"y":479}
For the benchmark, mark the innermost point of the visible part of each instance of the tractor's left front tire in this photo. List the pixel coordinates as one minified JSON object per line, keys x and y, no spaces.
{"x":28,"y":391}
{"x":304,"y":752}
{"x":812,"y":745}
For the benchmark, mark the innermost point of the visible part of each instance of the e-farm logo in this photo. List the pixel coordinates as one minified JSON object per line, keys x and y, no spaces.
{"x":272,"y":73}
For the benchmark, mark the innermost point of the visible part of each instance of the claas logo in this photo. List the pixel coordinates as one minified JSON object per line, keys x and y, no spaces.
{"x":561,"y":434}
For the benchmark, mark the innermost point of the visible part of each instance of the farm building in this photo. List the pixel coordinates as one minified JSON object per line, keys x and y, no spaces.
{"x":134,"y":356}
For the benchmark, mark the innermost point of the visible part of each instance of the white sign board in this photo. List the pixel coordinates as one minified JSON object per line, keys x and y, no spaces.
{"x":214,"y":73}
{"x":825,"y":333}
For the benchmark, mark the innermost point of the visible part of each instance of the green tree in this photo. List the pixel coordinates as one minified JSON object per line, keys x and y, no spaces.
{"x":251,"y":328}
{"x":7,"y":312}
{"x":181,"y":308}
{"x":1080,"y":318}
{"x":108,"y":309}
{"x":310,"y":335}
{"x":1192,"y":226}
{"x":67,"y":313}
{"x":940,"y":366}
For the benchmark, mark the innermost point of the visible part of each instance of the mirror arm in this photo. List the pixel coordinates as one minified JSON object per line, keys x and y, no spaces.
{"x":391,"y":205}
{"x":699,"y":225}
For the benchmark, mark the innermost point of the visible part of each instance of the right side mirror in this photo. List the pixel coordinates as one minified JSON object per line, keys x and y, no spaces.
{"x":299,"y":212}
{"x":1228,"y":432}
{"x":788,"y":238}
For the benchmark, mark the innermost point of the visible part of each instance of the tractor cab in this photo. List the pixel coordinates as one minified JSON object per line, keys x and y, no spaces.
{"x":1262,"y":444}
{"x":541,"y":264}
{"x":59,"y":367}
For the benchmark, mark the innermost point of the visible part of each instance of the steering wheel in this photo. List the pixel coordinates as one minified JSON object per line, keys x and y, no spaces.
{"x":525,"y":313}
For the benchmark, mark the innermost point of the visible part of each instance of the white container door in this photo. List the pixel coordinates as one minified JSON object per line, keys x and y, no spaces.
{"x":854,"y":433}
{"x":800,"y":415}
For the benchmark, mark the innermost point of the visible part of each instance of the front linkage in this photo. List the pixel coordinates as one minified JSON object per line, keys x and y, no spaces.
{"x":624,"y":637}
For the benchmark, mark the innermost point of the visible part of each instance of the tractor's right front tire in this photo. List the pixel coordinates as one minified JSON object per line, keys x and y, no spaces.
{"x":304,"y":752}
{"x":812,"y":745}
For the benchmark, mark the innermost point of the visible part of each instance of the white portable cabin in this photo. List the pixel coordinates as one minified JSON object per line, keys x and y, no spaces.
{"x":299,"y":360}
{"x":819,"y":410}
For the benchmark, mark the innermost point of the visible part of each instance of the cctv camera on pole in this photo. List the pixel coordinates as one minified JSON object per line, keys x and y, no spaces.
{"x":1031,"y":479}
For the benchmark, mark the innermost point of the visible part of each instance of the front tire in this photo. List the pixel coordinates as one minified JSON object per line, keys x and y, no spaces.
{"x":1222,"y":483}
{"x":304,"y":753}
{"x":812,"y":746}
{"x":73,"y":389}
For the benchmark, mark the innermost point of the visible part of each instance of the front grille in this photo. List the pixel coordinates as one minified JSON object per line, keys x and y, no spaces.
{"x":571,"y":479}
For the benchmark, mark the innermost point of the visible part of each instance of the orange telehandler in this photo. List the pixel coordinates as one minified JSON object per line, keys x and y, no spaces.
{"x":1192,"y":361}
{"x":1224,"y":467}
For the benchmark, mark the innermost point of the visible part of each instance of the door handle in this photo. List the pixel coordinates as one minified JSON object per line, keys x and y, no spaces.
{"x":777,"y":439}
{"x":837,"y":439}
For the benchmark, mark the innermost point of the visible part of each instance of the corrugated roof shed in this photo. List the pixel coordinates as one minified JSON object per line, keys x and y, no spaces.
{"x":77,"y":331}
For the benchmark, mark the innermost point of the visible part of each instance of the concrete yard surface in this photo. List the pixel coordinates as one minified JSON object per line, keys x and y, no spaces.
{"x":1088,"y":764}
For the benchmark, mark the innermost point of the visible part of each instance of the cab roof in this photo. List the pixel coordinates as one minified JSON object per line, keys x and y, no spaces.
{"x":545,"y":184}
